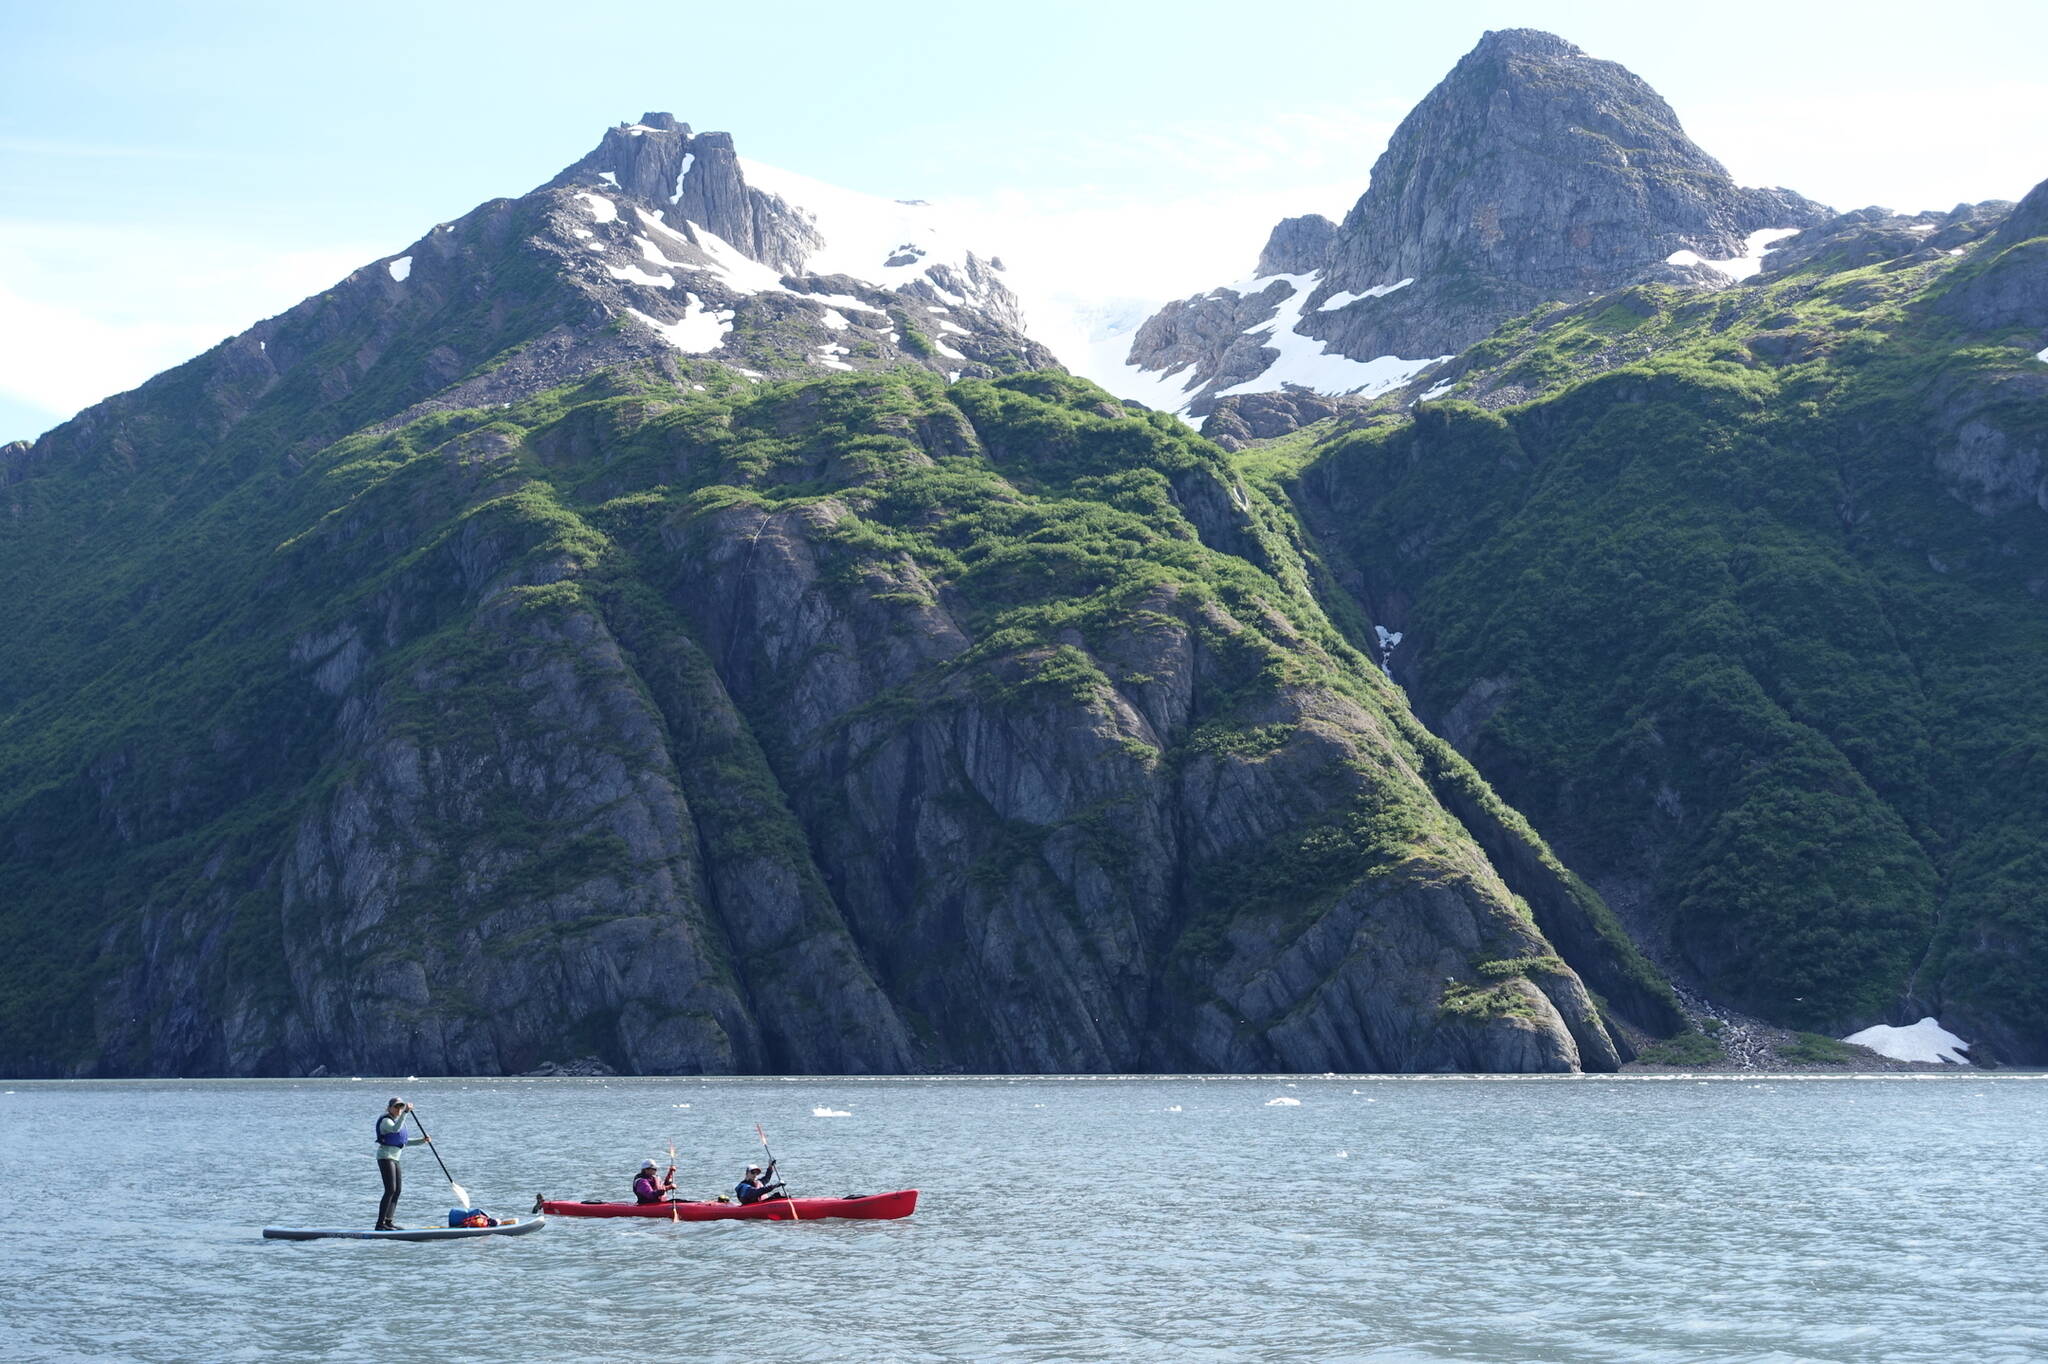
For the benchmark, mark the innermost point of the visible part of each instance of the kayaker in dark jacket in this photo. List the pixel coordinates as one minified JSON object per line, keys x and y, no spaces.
{"x":648,"y":1189}
{"x":391,"y":1143}
{"x":757,"y":1186}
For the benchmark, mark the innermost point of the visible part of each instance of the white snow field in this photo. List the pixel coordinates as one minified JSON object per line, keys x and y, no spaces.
{"x":1926,"y":1040}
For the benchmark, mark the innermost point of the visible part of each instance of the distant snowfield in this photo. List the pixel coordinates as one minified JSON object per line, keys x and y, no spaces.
{"x":1754,"y":248}
{"x":1310,"y":363}
{"x":1926,"y":1040}
{"x":698,"y":331}
{"x":863,"y":232}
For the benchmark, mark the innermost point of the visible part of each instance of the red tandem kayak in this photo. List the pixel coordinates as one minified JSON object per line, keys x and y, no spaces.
{"x":872,"y":1207}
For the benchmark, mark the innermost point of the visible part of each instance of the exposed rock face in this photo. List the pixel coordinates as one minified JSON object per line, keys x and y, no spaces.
{"x":2009,"y":286}
{"x":798,"y":779}
{"x":1531,"y":173}
{"x":665,"y":227}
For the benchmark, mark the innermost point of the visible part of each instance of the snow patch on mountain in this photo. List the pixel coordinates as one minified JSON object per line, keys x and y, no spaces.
{"x":401,"y":269}
{"x":1306,"y":362}
{"x":1094,"y":341}
{"x":601,"y":208}
{"x":634,"y":273}
{"x":1750,"y":262}
{"x":890,"y":242}
{"x":1926,"y":1040}
{"x":698,"y":331}
{"x":1344,"y":298}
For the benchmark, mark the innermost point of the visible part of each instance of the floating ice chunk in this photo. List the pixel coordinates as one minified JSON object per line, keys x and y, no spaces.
{"x":401,"y":268}
{"x":609,"y":178}
{"x":678,"y":1105}
{"x":601,"y":208}
{"x":1344,"y":298}
{"x":1283,"y":1102}
{"x":1343,"y":1155}
{"x":1754,"y":248}
{"x":1171,"y":1108}
{"x":697,"y":331}
{"x":1926,"y":1040}
{"x":830,"y":1113}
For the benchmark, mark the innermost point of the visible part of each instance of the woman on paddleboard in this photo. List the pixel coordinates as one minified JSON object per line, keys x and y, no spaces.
{"x":391,"y":1144}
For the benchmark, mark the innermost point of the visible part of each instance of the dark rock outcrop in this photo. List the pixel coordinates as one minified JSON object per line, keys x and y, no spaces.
{"x":1531,"y":173}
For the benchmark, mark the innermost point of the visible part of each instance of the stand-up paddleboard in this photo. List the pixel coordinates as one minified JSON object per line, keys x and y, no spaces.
{"x":511,"y":1226}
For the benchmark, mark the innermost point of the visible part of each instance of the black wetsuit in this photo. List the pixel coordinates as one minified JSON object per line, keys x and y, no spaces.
{"x":393,"y":1181}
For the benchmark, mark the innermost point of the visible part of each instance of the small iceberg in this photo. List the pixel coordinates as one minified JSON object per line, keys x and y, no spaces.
{"x":1926,"y":1040}
{"x":830,"y":1113}
{"x":1171,"y":1108}
{"x":1283,"y":1102}
{"x":1343,"y":1155}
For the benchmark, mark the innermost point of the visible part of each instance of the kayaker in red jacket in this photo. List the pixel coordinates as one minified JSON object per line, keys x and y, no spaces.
{"x":648,"y":1189}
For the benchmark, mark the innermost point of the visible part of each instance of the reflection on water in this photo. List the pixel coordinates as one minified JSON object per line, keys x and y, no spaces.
{"x":1378,"y":1218}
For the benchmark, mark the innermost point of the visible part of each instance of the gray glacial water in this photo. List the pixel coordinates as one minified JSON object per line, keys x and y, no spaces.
{"x":1891,"y":1218}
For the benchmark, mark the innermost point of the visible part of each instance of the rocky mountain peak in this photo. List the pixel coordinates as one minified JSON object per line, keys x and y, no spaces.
{"x":1522,"y":42}
{"x":1532,"y":172}
{"x":752,"y":266}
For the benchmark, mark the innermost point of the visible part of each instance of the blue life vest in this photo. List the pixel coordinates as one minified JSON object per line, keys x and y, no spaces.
{"x":395,"y":1137}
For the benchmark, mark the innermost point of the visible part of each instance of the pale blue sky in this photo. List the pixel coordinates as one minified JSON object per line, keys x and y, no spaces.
{"x":170,"y":174}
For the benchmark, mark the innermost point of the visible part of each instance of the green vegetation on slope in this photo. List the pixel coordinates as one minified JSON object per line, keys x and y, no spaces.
{"x":1730,"y":617}
{"x":223,"y":721}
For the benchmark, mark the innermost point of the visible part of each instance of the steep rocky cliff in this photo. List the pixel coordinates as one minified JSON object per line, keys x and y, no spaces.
{"x":1531,"y":173}
{"x":486,"y":663}
{"x":869,"y":724}
{"x":1739,"y":596}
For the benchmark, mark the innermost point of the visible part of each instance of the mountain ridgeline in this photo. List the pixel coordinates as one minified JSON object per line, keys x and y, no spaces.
{"x":1531,"y":173}
{"x":678,"y":617}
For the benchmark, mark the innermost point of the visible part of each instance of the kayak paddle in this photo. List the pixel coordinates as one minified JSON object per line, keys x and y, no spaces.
{"x":771,"y":1167}
{"x":461,"y":1194}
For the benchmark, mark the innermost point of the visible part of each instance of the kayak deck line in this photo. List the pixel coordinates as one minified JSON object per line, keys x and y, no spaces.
{"x":863,"y":1207}
{"x":511,"y":1226}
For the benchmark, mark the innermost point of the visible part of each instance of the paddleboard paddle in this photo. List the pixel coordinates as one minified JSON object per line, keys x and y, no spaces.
{"x":461,"y":1194}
